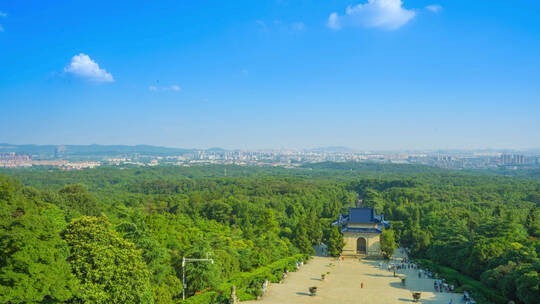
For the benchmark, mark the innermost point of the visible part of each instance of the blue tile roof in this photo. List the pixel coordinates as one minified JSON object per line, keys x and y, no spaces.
{"x":362,"y":215}
{"x":361,"y":230}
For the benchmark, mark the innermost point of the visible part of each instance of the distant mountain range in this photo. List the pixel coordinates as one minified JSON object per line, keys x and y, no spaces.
{"x":76,"y":150}
{"x":101,"y":150}
{"x":332,"y":149}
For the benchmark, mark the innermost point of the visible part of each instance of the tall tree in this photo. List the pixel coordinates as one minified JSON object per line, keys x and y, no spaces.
{"x":109,"y":267}
{"x":334,"y":241}
{"x":301,"y":237}
{"x":388,"y":243}
{"x":532,"y":223}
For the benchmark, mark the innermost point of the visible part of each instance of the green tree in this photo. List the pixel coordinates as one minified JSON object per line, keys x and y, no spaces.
{"x":528,"y":287}
{"x":314,"y":228}
{"x":77,"y":201}
{"x":265,"y":221}
{"x":200,"y":275}
{"x":334,"y":241}
{"x":388,"y":243}
{"x":301,"y":238}
{"x":109,"y":267}
{"x":33,"y":265}
{"x":532,"y":222}
{"x":33,"y":256}
{"x":165,"y":283}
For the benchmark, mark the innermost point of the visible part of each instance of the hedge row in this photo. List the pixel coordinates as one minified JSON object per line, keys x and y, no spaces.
{"x":248,"y":284}
{"x":478,"y":290}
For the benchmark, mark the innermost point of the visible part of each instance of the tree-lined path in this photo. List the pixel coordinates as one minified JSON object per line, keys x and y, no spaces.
{"x":343,"y":285}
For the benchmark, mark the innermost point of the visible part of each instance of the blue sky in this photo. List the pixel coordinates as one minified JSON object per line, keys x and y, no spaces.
{"x":383,"y":74}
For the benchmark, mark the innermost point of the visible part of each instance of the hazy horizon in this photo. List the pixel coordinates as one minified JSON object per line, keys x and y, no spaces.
{"x":327,"y":148}
{"x":414,"y":75}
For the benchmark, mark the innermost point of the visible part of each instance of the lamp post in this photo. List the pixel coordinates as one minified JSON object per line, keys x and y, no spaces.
{"x":191,"y":260}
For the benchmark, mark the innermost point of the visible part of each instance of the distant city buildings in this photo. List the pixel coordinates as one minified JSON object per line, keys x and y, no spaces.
{"x":518,"y":159}
{"x":13,"y":160}
{"x":280,"y":158}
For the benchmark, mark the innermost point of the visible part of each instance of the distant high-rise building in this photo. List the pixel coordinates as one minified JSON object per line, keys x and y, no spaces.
{"x":513,"y":159}
{"x":506,"y":159}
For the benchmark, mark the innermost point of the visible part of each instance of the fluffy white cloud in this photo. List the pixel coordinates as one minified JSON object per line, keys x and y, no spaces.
{"x":333,"y":21}
{"x":81,"y":65}
{"x":387,"y":14}
{"x":173,"y":87}
{"x":435,"y":8}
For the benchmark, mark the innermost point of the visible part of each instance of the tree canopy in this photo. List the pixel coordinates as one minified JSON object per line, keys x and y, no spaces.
{"x":110,"y":235}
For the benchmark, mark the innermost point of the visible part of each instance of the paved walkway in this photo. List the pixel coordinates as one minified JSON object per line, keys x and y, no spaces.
{"x":342,"y":285}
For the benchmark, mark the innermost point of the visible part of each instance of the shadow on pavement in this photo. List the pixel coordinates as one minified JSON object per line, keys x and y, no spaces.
{"x":405,"y":300}
{"x":379,"y":275}
{"x":303,"y":294}
{"x":438,"y":297}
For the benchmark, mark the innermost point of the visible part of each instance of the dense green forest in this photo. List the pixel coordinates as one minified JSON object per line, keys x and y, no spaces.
{"x":118,"y":235}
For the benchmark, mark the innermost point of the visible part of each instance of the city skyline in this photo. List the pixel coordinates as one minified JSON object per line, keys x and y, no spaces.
{"x":369,"y":75}
{"x":84,"y":157}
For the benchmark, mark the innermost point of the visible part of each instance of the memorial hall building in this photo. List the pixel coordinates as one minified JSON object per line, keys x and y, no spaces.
{"x":362,"y":230}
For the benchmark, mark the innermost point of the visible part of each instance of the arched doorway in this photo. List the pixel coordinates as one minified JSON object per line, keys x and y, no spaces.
{"x":361,"y":245}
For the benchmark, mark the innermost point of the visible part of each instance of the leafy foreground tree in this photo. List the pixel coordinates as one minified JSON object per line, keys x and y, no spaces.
{"x":110,"y":268}
{"x":33,"y":266}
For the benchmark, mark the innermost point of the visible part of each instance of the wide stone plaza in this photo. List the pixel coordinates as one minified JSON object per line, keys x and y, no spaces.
{"x":343,"y":284}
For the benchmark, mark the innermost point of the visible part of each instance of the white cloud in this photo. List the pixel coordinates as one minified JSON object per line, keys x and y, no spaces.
{"x":333,"y":21}
{"x":435,"y":8}
{"x":82,"y":66}
{"x":173,"y":87}
{"x":387,"y":14}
